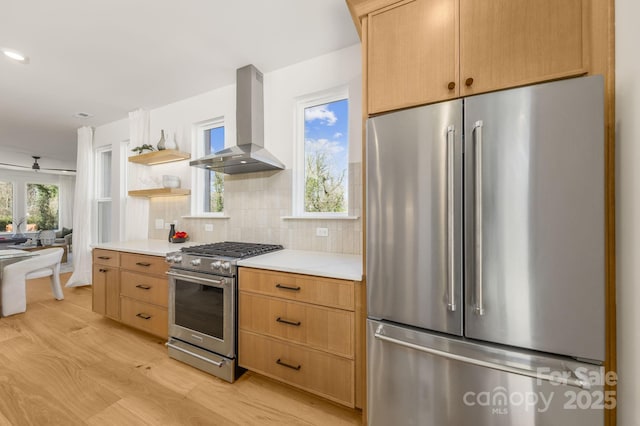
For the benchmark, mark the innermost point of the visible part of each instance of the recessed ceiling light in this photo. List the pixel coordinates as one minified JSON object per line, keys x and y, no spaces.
{"x":82,"y":115}
{"x":15,"y":55}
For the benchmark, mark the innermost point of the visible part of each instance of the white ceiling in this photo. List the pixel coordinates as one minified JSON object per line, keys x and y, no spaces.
{"x":107,"y":58}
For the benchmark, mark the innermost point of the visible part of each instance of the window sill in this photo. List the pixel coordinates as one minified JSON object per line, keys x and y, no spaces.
{"x":319,"y":217}
{"x":205,"y":216}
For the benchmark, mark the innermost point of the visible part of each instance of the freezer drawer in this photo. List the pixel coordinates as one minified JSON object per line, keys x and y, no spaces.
{"x":418,"y":378}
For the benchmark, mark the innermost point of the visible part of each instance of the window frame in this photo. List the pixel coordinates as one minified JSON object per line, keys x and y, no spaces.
{"x":199,"y":176}
{"x":298,"y":197}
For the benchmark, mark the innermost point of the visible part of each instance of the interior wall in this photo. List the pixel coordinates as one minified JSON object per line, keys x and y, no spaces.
{"x":282,"y":88}
{"x":66,"y":184}
{"x":23,"y":159}
{"x":628,"y":210}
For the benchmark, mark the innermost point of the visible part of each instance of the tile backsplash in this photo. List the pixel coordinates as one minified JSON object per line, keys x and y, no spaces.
{"x":255,"y":205}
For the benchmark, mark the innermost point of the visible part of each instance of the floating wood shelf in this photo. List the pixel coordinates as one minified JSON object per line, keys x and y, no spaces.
{"x":159,"y":157}
{"x":159,"y":192}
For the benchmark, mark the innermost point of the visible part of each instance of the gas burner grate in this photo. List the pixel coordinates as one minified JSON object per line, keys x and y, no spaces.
{"x":232,"y":249}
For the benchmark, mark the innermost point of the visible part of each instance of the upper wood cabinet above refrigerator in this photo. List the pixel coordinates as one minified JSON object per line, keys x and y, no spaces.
{"x":424,"y":51}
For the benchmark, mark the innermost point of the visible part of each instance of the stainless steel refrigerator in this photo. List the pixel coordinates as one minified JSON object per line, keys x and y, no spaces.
{"x":485,"y":259}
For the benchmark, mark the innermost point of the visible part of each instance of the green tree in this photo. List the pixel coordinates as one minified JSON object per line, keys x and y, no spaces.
{"x":6,"y":205}
{"x":216,"y":192}
{"x":324,"y":188}
{"x":42,"y":202}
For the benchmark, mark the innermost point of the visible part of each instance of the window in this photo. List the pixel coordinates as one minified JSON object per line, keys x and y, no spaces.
{"x":322,"y":150}
{"x":6,"y":207}
{"x":208,"y":185}
{"x":103,"y":194}
{"x":43,"y":206}
{"x":214,"y":181}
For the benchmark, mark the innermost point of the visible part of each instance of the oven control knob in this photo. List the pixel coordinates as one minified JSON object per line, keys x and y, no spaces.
{"x":216,"y":265}
{"x":169,"y":259}
{"x":196,"y":262}
{"x":226,"y":266}
{"x":177,"y":259}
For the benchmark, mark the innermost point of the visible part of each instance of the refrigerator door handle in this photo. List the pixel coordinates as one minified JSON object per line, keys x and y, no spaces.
{"x":477,"y":137}
{"x":450,"y":218}
{"x":570,"y":381}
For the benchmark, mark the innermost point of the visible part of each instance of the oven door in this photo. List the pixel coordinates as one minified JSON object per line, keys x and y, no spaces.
{"x":202,"y":310}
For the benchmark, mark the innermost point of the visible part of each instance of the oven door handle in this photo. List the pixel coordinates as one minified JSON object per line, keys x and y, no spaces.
{"x":206,"y":281}
{"x":200,"y":357}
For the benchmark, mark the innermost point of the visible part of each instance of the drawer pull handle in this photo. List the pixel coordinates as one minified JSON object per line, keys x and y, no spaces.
{"x":102,"y":270}
{"x":144,"y":316}
{"x":285,"y":287}
{"x":284,"y":321}
{"x":284,"y":364}
{"x":104,"y":257}
{"x":143,"y":264}
{"x":143,"y":287}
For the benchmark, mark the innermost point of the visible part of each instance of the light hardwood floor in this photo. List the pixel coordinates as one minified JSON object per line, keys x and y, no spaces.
{"x":62,"y":364}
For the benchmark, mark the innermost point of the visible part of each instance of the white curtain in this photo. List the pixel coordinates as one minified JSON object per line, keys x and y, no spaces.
{"x":137,"y":209}
{"x":67,"y":188}
{"x":82,"y":210}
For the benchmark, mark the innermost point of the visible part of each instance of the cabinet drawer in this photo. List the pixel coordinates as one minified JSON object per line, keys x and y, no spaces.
{"x":145,"y":288}
{"x":316,"y":326}
{"x":106,"y":257}
{"x":326,"y":375}
{"x":303,"y":288}
{"x":143,"y":263}
{"x":144,"y":316}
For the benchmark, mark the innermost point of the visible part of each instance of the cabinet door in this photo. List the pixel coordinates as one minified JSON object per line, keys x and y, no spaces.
{"x":507,"y":43}
{"x":98,"y":289}
{"x":106,"y":291}
{"x":412,"y":54}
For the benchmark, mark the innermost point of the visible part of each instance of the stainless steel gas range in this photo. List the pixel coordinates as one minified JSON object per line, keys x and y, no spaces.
{"x":203,"y":305}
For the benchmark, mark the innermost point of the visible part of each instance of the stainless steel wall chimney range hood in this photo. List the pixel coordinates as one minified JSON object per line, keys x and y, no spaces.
{"x":249,"y":154}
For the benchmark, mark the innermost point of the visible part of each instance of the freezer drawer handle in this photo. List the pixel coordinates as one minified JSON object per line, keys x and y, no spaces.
{"x":477,"y":135}
{"x":584,"y":384}
{"x":200,"y":357}
{"x":450,"y":218}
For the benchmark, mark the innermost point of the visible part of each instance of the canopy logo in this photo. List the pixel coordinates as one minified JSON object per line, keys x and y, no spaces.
{"x":499,"y":400}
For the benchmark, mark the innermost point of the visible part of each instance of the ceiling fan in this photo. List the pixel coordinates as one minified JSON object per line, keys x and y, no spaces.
{"x":36,"y":167}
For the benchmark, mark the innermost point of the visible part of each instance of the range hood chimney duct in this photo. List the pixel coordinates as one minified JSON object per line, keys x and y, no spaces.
{"x":249,"y":154}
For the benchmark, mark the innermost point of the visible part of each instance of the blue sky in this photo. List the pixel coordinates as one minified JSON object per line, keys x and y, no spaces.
{"x":216,"y":139}
{"x":326,"y":127}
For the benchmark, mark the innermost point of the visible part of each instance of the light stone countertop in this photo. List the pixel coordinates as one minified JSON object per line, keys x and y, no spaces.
{"x":150,"y":247}
{"x":330,"y":265}
{"x":322,"y":264}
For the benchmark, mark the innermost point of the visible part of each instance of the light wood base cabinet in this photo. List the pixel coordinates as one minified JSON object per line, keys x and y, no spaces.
{"x":315,"y":326}
{"x":314,"y":371}
{"x":131,"y":288}
{"x":301,"y":330}
{"x":106,"y":283}
{"x":144,"y":316}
